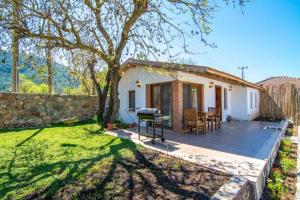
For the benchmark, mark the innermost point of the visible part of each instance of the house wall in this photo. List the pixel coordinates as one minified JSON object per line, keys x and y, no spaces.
{"x":253,"y":112}
{"x":241,"y":101}
{"x":209,"y":93}
{"x":128,"y":82}
{"x":237,"y":103}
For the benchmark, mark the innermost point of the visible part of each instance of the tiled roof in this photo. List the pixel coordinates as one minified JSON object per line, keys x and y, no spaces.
{"x":200,"y":70}
{"x":278,"y":80}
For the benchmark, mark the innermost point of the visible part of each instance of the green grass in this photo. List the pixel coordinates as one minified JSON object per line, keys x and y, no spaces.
{"x":40,"y":161}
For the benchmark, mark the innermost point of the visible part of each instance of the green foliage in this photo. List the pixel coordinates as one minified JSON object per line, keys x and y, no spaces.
{"x":34,"y":68}
{"x":277,"y":175}
{"x":287,"y":165}
{"x":286,"y":145}
{"x":282,"y":155}
{"x":28,"y":86}
{"x":275,"y":189}
{"x":121,"y":124}
{"x":74,"y":91}
{"x":275,"y":185}
{"x":289,"y":132}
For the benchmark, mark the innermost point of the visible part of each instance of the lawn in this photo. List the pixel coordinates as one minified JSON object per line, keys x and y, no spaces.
{"x":86,"y":163}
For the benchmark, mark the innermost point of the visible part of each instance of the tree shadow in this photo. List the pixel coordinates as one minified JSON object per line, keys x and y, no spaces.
{"x":124,"y":170}
{"x":140,"y":178}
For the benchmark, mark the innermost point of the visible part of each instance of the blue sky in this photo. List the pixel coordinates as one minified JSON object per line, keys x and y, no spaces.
{"x":266,"y":38}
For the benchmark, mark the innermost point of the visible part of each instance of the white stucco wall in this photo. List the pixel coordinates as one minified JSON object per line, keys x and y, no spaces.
{"x":253,"y":112}
{"x":238,"y":103}
{"x":128,"y":82}
{"x":241,"y":102}
{"x":209,"y":93}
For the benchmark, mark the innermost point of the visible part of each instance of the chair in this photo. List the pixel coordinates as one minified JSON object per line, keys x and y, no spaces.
{"x":202,"y":116}
{"x":217,"y":116}
{"x":191,"y":120}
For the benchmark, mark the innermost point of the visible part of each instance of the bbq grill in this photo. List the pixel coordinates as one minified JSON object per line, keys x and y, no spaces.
{"x":153,"y":117}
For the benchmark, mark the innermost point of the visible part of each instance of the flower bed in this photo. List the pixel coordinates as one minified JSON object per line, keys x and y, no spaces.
{"x":282,"y":181}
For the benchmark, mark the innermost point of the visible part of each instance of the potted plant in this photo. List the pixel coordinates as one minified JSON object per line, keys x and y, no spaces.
{"x":229,"y":118}
{"x":110,"y":126}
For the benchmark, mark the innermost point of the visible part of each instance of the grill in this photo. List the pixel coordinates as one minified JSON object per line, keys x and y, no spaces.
{"x":151,"y":116}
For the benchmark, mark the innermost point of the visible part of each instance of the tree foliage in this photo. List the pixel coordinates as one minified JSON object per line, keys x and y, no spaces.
{"x":111,"y":31}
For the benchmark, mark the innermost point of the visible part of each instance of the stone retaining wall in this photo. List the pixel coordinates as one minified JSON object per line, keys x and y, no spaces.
{"x":32,"y":110}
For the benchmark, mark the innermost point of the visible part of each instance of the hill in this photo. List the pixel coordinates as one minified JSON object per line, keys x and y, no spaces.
{"x":35,"y":69}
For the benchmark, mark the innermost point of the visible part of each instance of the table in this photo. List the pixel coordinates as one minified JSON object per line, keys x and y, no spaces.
{"x":209,"y":115}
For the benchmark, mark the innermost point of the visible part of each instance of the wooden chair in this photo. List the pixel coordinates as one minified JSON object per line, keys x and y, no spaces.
{"x":217,"y":116}
{"x":191,"y":120}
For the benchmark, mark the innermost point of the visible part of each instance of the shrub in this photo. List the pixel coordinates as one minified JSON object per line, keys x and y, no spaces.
{"x":282,"y":155}
{"x":275,"y":189}
{"x":286,"y":145}
{"x":287,"y":164}
{"x":289,"y":132}
{"x":276,"y":175}
{"x":275,"y":185}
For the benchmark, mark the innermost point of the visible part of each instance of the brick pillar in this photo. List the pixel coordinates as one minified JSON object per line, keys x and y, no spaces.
{"x":148,"y":96}
{"x":177,"y":105}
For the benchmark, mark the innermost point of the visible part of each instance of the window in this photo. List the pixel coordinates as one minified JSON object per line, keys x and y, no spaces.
{"x":192,"y":96}
{"x":255,"y":100}
{"x":251,"y":100}
{"x":131,"y":100}
{"x":225,"y":99}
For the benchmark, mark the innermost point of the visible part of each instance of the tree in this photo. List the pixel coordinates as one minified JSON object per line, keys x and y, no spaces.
{"x":15,"y":47}
{"x":77,"y":62}
{"x":28,"y":86}
{"x":49,"y":63}
{"x":111,"y":31}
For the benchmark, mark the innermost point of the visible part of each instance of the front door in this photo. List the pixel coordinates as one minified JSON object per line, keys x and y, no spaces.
{"x":193,"y":97}
{"x":161,"y":98}
{"x":219,"y":99}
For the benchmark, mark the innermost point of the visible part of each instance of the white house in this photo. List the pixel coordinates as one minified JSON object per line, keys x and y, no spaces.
{"x":173,"y":87}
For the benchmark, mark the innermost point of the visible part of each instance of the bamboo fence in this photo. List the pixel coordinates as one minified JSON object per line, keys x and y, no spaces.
{"x":281,"y":101}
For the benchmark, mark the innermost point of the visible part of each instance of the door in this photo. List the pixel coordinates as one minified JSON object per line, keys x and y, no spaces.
{"x":161,"y":98}
{"x":219,"y":99}
{"x":193,"y":96}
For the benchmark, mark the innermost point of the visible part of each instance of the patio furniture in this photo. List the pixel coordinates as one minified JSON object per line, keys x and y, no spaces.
{"x":191,"y":120}
{"x":151,"y":116}
{"x":202,"y":116}
{"x":210,"y":120}
{"x":217,"y":116}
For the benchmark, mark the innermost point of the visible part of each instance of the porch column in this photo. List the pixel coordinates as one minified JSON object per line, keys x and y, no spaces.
{"x":177,"y":105}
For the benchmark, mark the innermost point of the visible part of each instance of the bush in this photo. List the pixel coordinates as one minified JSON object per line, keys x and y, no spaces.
{"x":277,"y":176}
{"x":275,"y":185}
{"x":289,"y":132}
{"x":287,"y":165}
{"x":286,"y":145}
{"x":275,"y":189}
{"x":282,"y":155}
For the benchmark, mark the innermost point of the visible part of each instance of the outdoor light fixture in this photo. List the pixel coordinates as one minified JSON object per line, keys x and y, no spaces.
{"x":211,"y":84}
{"x":230,"y":88}
{"x":138,"y":83}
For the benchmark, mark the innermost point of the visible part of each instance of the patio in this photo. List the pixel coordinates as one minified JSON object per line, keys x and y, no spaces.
{"x":243,"y":149}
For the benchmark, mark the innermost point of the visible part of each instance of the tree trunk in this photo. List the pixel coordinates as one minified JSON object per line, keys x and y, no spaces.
{"x":15,"y":49}
{"x":49,"y":63}
{"x":102,"y":94}
{"x":115,"y":94}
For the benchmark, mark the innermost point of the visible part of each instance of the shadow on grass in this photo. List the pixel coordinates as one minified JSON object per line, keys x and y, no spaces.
{"x":56,"y":125}
{"x":125,"y":176}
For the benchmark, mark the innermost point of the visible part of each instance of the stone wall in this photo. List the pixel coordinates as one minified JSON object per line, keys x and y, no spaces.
{"x":32,"y":110}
